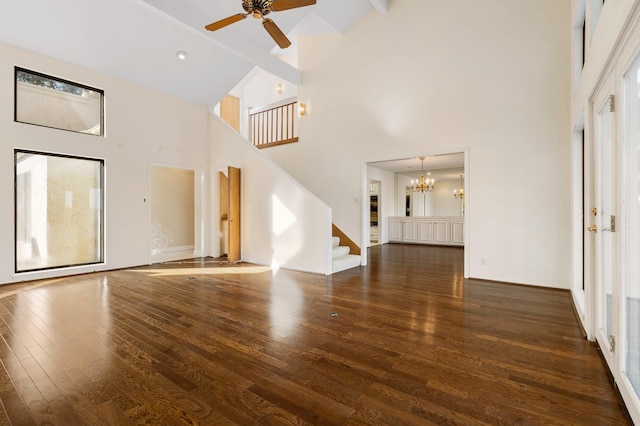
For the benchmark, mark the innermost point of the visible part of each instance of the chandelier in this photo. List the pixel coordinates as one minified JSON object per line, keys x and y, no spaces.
{"x":423,"y":185}
{"x":459,"y":193}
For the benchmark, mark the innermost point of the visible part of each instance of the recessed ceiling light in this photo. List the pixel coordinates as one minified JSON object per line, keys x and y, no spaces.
{"x":182,"y":55}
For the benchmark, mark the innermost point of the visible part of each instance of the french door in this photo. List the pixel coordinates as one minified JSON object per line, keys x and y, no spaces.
{"x":602,"y":222}
{"x":612,"y":234}
{"x":629,"y":353}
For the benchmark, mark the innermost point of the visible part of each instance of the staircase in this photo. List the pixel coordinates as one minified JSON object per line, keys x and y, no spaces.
{"x":342,"y":259}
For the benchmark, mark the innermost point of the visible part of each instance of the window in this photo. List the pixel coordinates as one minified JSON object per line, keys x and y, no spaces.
{"x":58,"y":211}
{"x":51,"y":102}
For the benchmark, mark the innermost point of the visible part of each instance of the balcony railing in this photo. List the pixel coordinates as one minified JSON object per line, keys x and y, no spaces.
{"x":275,"y":125}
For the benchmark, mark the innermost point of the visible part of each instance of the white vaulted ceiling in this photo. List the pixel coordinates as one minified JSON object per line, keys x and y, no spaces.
{"x":137,"y":40}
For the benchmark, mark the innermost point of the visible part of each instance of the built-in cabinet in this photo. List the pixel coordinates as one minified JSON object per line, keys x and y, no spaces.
{"x":410,"y":232}
{"x":427,"y":230}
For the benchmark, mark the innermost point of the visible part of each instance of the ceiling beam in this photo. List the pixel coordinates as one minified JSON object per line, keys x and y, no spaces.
{"x":381,"y":5}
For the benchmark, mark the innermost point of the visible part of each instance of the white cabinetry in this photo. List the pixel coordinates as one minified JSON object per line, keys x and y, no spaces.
{"x":442,"y":231}
{"x":410,"y":234}
{"x":457,"y":232}
{"x":427,"y":230}
{"x":395,"y":229}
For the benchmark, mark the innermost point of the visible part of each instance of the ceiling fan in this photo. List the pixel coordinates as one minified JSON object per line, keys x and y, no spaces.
{"x":259,"y":9}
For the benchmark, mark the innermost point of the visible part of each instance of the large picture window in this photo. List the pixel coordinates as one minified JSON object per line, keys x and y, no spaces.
{"x":51,"y":102}
{"x":58,"y":210}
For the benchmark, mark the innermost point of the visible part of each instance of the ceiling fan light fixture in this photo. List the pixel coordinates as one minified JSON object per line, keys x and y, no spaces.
{"x":259,"y":9}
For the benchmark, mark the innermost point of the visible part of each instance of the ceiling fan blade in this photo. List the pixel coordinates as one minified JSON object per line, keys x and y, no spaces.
{"x":279,"y":5}
{"x":275,"y":33}
{"x":226,"y":21}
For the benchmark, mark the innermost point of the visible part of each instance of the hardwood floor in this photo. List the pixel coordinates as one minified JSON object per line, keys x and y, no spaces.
{"x":405,"y":340}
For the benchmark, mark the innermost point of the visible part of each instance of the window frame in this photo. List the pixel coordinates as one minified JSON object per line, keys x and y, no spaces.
{"x":101,"y":162}
{"x":18,"y":69}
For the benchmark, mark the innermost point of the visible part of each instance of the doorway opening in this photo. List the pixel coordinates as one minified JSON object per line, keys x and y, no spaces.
{"x":401,"y":202}
{"x":374,"y":202}
{"x":174,"y":218}
{"x":229,"y":214}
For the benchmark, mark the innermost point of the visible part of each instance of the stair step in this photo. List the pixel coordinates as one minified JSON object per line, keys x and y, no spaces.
{"x":347,"y":261}
{"x":335,"y":241}
{"x":340,"y":251}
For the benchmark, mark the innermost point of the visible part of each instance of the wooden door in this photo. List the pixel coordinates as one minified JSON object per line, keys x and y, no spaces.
{"x":233,"y":254}
{"x":230,"y":111}
{"x":223,"y":219}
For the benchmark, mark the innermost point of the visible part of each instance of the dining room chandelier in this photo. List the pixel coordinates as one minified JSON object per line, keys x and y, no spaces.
{"x":422,"y":184}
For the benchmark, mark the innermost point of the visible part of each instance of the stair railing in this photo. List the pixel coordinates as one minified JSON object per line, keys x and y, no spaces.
{"x":274,"y":125}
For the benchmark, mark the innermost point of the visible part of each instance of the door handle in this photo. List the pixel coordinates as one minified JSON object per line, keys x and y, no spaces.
{"x":593,"y":228}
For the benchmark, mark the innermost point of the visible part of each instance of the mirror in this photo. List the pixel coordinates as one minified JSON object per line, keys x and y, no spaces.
{"x":441,"y":201}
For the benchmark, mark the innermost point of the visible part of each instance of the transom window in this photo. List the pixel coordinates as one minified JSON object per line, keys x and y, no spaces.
{"x":48,"y":101}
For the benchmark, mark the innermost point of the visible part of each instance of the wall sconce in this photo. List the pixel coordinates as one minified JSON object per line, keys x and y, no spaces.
{"x":302,"y":109}
{"x":279,"y":88}
{"x":459,"y":193}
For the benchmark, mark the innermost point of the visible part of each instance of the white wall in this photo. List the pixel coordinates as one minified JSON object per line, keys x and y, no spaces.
{"x":433,"y":77}
{"x":282,"y":222}
{"x":260,"y":90}
{"x":142,"y":127}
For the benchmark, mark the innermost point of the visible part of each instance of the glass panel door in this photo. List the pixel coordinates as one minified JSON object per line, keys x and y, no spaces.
{"x":603,"y":221}
{"x":631,"y":321}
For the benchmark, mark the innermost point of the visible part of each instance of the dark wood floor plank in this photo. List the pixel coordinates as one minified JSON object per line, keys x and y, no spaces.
{"x":15,"y":408}
{"x":12,"y":407}
{"x":4,"y":417}
{"x":94,"y":378}
{"x":198,"y":390}
{"x":199,"y":342}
